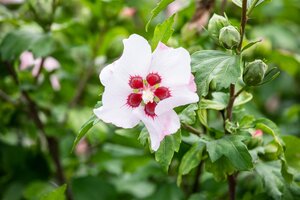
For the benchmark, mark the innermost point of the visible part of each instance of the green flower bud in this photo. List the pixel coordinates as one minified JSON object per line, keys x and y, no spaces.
{"x":255,"y":72}
{"x":215,"y":24}
{"x":229,"y":37}
{"x":271,"y":152}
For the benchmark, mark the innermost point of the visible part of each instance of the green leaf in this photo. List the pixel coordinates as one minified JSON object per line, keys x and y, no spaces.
{"x":250,"y":44}
{"x":233,"y":148}
{"x":270,"y":174}
{"x":219,"y":101}
{"x":270,"y":75}
{"x":14,"y":43}
{"x":219,"y":66}
{"x":249,"y":2}
{"x":144,"y":136}
{"x":19,"y":41}
{"x":202,"y":115}
{"x":220,"y":168}
{"x":163,"y":32}
{"x":190,"y":160}
{"x":268,"y":127}
{"x":243,"y":98}
{"x":43,"y":46}
{"x":84,"y":129}
{"x":188,"y":115}
{"x":159,"y":7}
{"x":168,"y":146}
{"x":57,"y":194}
{"x":292,"y":152}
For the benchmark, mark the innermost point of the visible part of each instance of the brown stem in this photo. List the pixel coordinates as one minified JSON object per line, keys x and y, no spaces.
{"x":197,"y":178}
{"x":223,"y":6}
{"x":244,"y":19}
{"x":231,"y":102}
{"x":39,"y":70}
{"x":231,"y":186}
{"x":51,"y":141}
{"x":191,"y":129}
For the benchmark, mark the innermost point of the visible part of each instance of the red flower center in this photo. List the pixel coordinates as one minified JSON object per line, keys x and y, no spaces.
{"x":153,"y":79}
{"x":162,"y":93}
{"x":134,"y":99}
{"x":136,"y":82}
{"x":150,"y":108}
{"x":147,"y":91}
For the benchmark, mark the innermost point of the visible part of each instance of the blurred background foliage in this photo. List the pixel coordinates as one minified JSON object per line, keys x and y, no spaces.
{"x":110,"y":163}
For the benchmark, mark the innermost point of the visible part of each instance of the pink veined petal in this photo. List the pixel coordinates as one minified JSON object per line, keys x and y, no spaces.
{"x":159,"y":126}
{"x":136,"y":57}
{"x":173,"y":65}
{"x":51,"y":64}
{"x":192,"y":85}
{"x":181,"y":95}
{"x":55,"y":82}
{"x":26,"y":60}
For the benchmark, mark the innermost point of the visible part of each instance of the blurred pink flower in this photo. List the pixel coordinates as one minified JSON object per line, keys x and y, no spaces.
{"x":27,"y":61}
{"x":128,"y":12}
{"x":82,"y":148}
{"x":145,"y":86}
{"x":175,"y":6}
{"x":257,"y":133}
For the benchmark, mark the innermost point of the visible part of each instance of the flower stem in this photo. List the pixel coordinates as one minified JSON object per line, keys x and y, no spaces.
{"x":191,"y":129}
{"x":244,"y":19}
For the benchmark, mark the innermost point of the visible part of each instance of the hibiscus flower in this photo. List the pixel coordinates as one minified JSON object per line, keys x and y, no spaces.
{"x":145,"y":86}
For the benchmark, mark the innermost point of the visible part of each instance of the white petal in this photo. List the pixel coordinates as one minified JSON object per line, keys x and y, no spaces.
{"x":173,"y":65}
{"x":123,"y":117}
{"x":159,"y":126}
{"x":115,"y":109}
{"x":136,"y":57}
{"x":134,"y":61}
{"x":181,"y":95}
{"x":106,"y":74}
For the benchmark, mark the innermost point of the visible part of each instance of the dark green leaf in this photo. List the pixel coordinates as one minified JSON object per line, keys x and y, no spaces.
{"x":219,"y":66}
{"x":168,"y":146}
{"x":160,"y":6}
{"x":43,"y":46}
{"x":188,"y":115}
{"x":163,"y":32}
{"x":233,"y":148}
{"x":292,"y":152}
{"x":190,"y":160}
{"x":270,"y":174}
{"x":220,"y":168}
{"x":15,"y":43}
